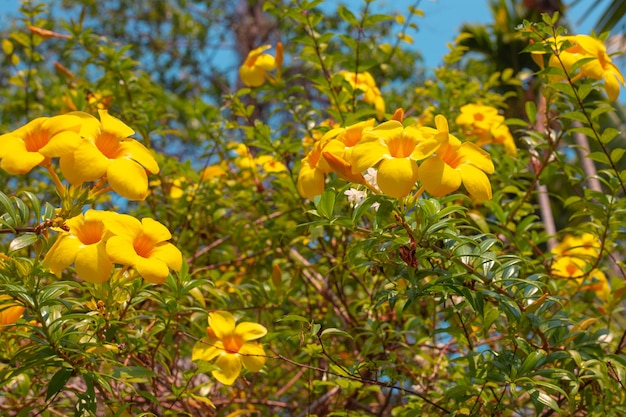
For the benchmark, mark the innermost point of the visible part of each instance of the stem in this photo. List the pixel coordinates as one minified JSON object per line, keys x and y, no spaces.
{"x":55,"y":178}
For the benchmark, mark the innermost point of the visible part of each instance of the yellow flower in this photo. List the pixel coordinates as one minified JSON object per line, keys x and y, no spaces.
{"x":396,"y":149}
{"x":38,"y":141}
{"x":253,"y":72}
{"x":573,"y":254}
{"x":455,"y":163}
{"x":10,"y":311}
{"x":212,"y":172}
{"x":364,"y":82}
{"x":232,"y":346}
{"x":84,"y":245}
{"x":502,"y":135}
{"x":574,"y":257}
{"x":143,"y":245}
{"x":479,"y":116}
{"x":483,"y":125}
{"x":107,"y":149}
{"x":337,"y":149}
{"x":599,"y":68}
{"x":270,"y":164}
{"x":311,"y":175}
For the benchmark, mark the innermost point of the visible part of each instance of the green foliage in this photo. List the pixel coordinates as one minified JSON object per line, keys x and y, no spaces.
{"x":421,"y":305}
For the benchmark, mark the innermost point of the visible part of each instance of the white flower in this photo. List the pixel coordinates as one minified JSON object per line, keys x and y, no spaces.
{"x":355,"y":197}
{"x":371,"y":177}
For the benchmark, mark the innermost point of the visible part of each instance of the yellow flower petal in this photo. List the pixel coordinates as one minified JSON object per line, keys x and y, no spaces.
{"x":93,"y":264}
{"x":60,"y":144}
{"x":476,"y":182}
{"x":366,"y":155}
{"x":62,"y":253}
{"x":114,"y":125}
{"x":85,"y":164}
{"x":155,"y":230}
{"x":121,"y":251}
{"x":151,"y":269}
{"x":476,"y":156}
{"x":438,"y":178}
{"x":20,"y":162}
{"x":252,"y":356}
{"x":310,"y":181}
{"x":222,"y":323}
{"x":124,"y":225}
{"x":230,"y":367}
{"x":168,"y":254}
{"x":10,"y":311}
{"x":266,"y":62}
{"x":128,"y":179}
{"x":137,"y":152}
{"x":206,"y":349}
{"x":250,"y":331}
{"x":397,"y":176}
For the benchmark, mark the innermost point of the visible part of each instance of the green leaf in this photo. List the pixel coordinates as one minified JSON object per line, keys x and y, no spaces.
{"x":531,"y":111}
{"x":334,"y":330}
{"x":608,"y":135}
{"x":532,"y":361}
{"x":585,"y":131}
{"x":599,"y":157}
{"x":617,"y":154}
{"x":34,"y":203}
{"x":293,"y":317}
{"x":584,"y":90}
{"x":23,"y":241}
{"x":575,"y":115}
{"x":564,"y":88}
{"x":544,"y":399}
{"x":7,"y":205}
{"x":58,"y":381}
{"x":347,"y":16}
{"x":326,"y":203}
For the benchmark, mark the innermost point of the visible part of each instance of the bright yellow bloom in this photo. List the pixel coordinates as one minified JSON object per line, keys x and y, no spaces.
{"x":143,"y":245}
{"x":232,"y":346}
{"x":84,"y":245}
{"x":480,"y":117}
{"x":254,"y":70}
{"x":396,"y":149}
{"x":573,"y":254}
{"x":311,"y":175}
{"x":502,"y":135}
{"x":574,"y":257}
{"x":599,"y":68}
{"x":212,"y":172}
{"x":270,"y":164}
{"x":483,"y":125}
{"x":364,"y":82}
{"x":455,"y":163}
{"x":337,"y":149}
{"x":10,"y":311}
{"x":108,"y":150}
{"x":38,"y":141}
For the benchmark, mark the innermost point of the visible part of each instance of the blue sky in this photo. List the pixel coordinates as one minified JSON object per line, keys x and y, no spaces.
{"x":443,"y":19}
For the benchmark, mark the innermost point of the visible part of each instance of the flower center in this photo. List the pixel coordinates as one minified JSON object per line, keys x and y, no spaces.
{"x":90,"y":232}
{"x":109,"y":145}
{"x":232,"y":343}
{"x":143,"y":245}
{"x":479,"y":117}
{"x":36,"y":140}
{"x":401,"y":146}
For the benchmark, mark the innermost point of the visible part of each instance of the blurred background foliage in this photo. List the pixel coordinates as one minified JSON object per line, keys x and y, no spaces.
{"x":430,"y":307}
